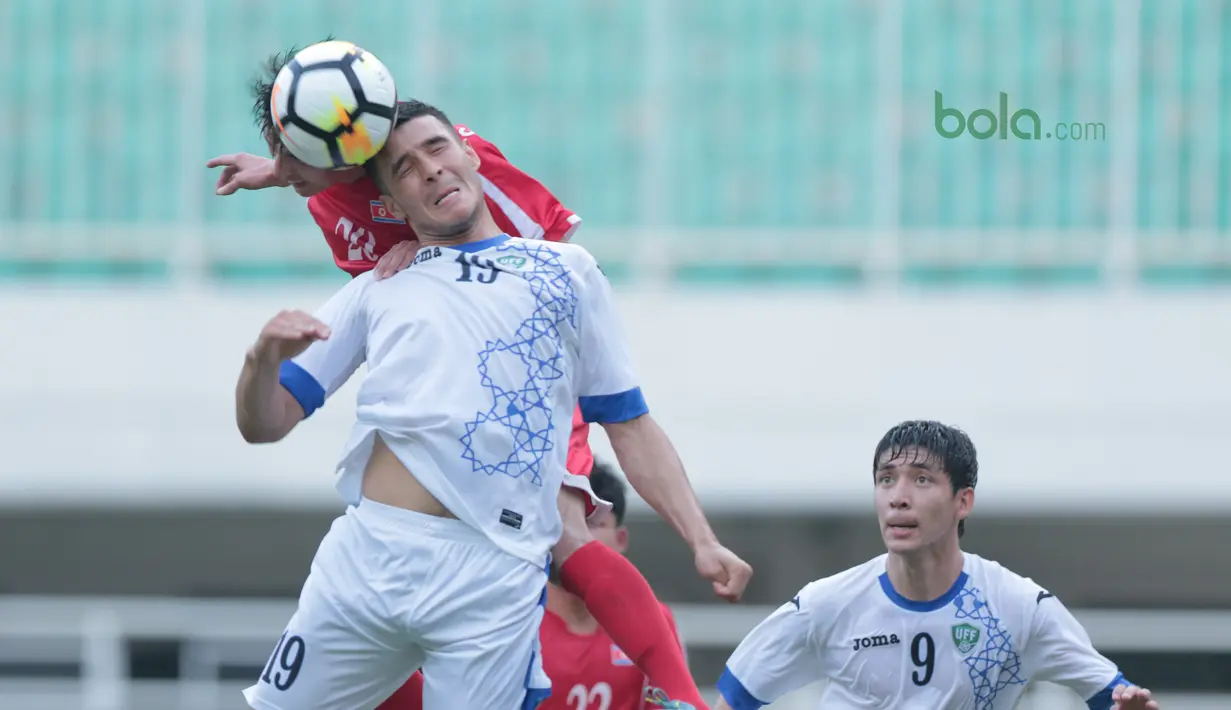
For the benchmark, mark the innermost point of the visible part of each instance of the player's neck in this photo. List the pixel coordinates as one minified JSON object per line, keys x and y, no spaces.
{"x":925,"y":574}
{"x":483,"y":228}
{"x":571,"y":610}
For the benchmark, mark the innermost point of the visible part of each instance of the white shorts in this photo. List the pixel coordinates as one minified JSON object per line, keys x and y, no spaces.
{"x":391,"y":591}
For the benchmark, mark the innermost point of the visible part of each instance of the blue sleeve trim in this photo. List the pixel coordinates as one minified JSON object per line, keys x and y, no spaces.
{"x":1102,"y":699}
{"x":302,"y":386}
{"x":734,"y":692}
{"x":614,"y":408}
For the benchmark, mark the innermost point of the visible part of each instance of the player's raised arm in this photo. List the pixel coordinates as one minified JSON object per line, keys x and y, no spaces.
{"x":610,"y":397}
{"x":1060,"y":651}
{"x":297,"y":362}
{"x":781,"y":655}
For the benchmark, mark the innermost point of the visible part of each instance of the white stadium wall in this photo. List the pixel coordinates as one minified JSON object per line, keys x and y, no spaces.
{"x":1090,"y":403}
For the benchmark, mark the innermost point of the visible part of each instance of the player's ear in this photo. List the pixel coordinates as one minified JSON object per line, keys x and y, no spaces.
{"x":965,"y":502}
{"x":393,"y":207}
{"x":475,"y":160}
{"x":621,"y":540}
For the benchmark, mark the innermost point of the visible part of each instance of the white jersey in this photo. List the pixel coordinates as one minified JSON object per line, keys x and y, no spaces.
{"x":477,"y":356}
{"x":974,"y":647}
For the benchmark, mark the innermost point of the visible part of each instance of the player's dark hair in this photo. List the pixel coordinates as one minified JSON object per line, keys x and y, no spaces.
{"x":608,"y":486}
{"x":949,"y":447}
{"x":405,"y":112}
{"x":262,"y":89}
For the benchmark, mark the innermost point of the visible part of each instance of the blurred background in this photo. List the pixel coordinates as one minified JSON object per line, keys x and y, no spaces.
{"x":802,"y":260}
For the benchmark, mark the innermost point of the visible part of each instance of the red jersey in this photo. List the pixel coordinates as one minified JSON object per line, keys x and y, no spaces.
{"x":359,"y":231}
{"x":589,"y":672}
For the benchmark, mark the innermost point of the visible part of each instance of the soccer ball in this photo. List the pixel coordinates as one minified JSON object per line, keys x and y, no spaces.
{"x":333,"y":104}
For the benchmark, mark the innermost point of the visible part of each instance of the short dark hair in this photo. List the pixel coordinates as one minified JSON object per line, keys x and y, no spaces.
{"x":608,"y":486}
{"x":262,"y":89}
{"x":403,"y":113}
{"x":948,"y":446}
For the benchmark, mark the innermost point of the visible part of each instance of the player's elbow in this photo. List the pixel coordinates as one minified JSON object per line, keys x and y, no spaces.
{"x":271,"y":422}
{"x":254,"y":433}
{"x":256,"y":430}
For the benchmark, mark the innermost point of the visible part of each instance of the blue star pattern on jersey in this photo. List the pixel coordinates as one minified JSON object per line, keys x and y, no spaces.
{"x":523,"y":408}
{"x":997,"y":665}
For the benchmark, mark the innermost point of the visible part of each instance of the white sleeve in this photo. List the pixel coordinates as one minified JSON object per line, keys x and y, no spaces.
{"x":607,"y":386}
{"x":1059,"y":651}
{"x":781,"y":655}
{"x":316,"y":373}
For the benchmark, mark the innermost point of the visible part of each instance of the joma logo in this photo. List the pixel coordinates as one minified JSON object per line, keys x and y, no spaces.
{"x":874,"y":641}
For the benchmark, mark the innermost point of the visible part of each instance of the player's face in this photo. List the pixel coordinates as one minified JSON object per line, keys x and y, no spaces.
{"x":915,"y":502}
{"x":607,"y":530}
{"x":432,"y":178}
{"x":303,"y":178}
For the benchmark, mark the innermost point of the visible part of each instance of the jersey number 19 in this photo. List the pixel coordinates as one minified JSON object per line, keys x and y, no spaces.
{"x":486,"y":269}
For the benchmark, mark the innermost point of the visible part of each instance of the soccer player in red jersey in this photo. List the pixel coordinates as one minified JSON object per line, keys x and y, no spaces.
{"x":588,"y":670}
{"x":362,"y":236}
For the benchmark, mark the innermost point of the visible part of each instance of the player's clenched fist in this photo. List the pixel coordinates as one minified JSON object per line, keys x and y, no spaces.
{"x":725,"y":569}
{"x":288,"y":334}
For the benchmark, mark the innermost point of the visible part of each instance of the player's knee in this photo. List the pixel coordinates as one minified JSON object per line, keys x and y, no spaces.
{"x":575,"y":532}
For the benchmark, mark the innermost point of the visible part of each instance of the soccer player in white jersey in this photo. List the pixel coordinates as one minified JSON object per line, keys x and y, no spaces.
{"x":925,"y":626}
{"x":477,"y":355}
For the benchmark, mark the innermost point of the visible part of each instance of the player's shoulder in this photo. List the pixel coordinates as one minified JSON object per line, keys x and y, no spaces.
{"x":360,"y":190}
{"x":572,"y":256}
{"x":361,"y":283}
{"x":837,"y":591}
{"x":358,"y":201}
{"x":1002,"y":583}
{"x":468,"y":134}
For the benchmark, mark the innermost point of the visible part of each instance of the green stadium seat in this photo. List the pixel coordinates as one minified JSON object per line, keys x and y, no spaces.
{"x":686,"y":118}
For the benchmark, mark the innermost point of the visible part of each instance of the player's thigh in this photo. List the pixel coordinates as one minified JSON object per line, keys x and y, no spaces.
{"x":503,"y":671}
{"x":329,"y":665}
{"x":339,"y":651}
{"x":483,"y":650}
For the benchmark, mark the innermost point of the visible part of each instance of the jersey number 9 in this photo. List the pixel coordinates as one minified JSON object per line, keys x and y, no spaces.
{"x":923,"y":655}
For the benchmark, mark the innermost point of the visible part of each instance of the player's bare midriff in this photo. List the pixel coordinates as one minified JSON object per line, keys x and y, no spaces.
{"x":387,"y":481}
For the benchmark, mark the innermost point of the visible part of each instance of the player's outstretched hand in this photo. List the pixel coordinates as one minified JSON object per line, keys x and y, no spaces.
{"x":288,"y":334}
{"x":243,"y":171}
{"x":396,"y":259}
{"x":725,"y":569}
{"x":1130,"y":697}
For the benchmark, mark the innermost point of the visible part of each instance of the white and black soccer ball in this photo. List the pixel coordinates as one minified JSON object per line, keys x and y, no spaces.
{"x":333,"y":104}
